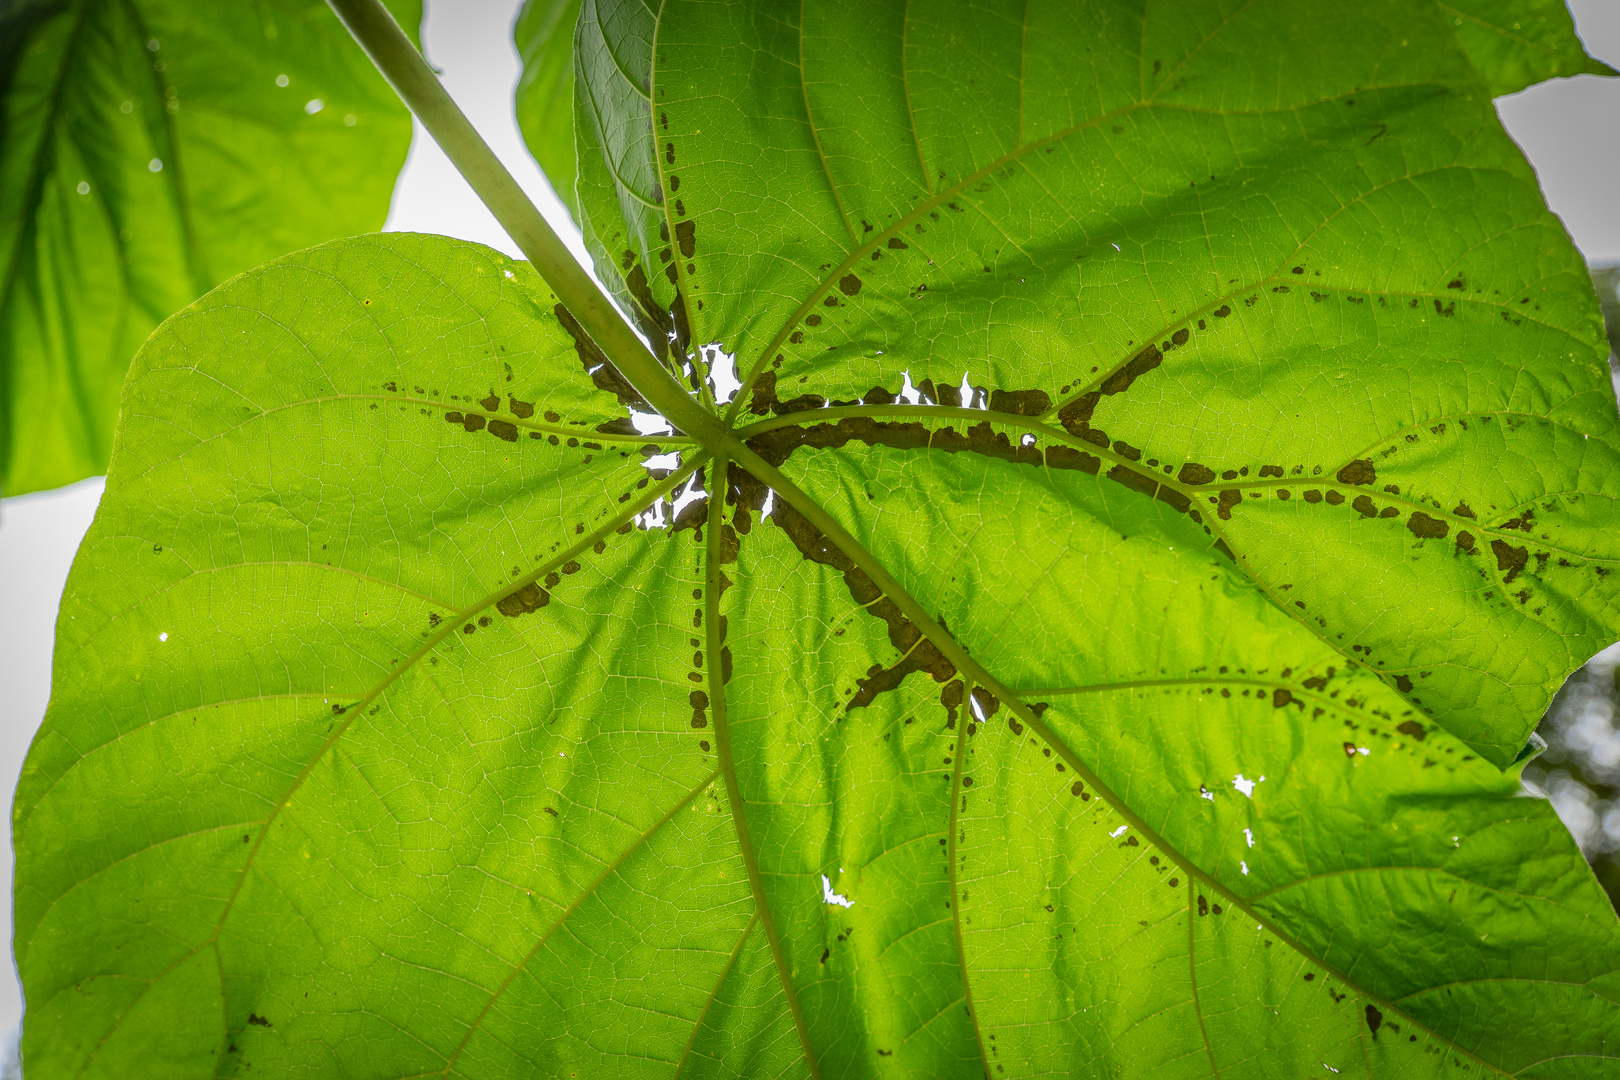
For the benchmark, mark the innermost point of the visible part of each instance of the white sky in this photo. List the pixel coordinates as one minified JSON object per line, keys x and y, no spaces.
{"x":1569,"y":129}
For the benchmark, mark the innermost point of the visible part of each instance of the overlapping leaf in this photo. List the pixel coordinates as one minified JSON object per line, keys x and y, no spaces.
{"x":151,"y":151}
{"x":544,"y":33}
{"x":1229,"y":414}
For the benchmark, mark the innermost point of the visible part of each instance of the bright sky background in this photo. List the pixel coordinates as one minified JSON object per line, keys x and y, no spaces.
{"x":1569,"y":129}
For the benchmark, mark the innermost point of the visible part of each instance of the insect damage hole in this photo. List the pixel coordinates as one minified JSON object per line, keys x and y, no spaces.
{"x":723,"y":379}
{"x":828,"y":896}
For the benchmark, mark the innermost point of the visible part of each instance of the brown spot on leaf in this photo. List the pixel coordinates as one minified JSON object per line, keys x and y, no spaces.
{"x":1359,"y":471}
{"x":1139,"y":365}
{"x":916,"y":653}
{"x":529,"y":598}
{"x":1020,"y":402}
{"x":1067,"y":457}
{"x":1194,"y":473}
{"x":849,"y":285}
{"x":596,"y":364}
{"x":1076,"y":415}
{"x":1510,"y":559}
{"x":1425,"y":527}
{"x":692,"y":515}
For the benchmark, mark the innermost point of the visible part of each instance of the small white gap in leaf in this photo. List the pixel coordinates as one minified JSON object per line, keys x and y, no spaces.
{"x":670,"y":461}
{"x":830,"y":897}
{"x":722,"y":372}
{"x":688,"y":495}
{"x":650,"y":424}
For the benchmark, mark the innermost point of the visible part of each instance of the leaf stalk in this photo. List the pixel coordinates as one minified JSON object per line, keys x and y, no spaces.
{"x":373,"y":26}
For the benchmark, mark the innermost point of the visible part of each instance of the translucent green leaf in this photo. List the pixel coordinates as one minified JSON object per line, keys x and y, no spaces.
{"x":544,"y":33}
{"x":415,"y":716}
{"x":149,"y":151}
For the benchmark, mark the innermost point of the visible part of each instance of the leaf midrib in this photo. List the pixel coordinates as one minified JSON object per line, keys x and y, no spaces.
{"x":963,"y":719}
{"x":1193,"y":492}
{"x":723,"y":751}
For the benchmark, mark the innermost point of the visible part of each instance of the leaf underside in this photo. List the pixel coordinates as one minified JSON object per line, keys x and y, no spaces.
{"x":148,"y":152}
{"x":1214,"y":379}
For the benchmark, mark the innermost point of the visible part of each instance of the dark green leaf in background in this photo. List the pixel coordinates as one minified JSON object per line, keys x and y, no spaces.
{"x":149,"y":150}
{"x":545,"y":94}
{"x":1212,"y":381}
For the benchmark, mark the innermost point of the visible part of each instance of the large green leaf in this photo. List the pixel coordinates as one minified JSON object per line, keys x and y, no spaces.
{"x":149,"y":151}
{"x":408,"y":721}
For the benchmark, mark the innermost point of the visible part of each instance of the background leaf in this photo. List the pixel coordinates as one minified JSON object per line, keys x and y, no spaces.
{"x":408,"y":722}
{"x":544,"y":34}
{"x":150,"y":153}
